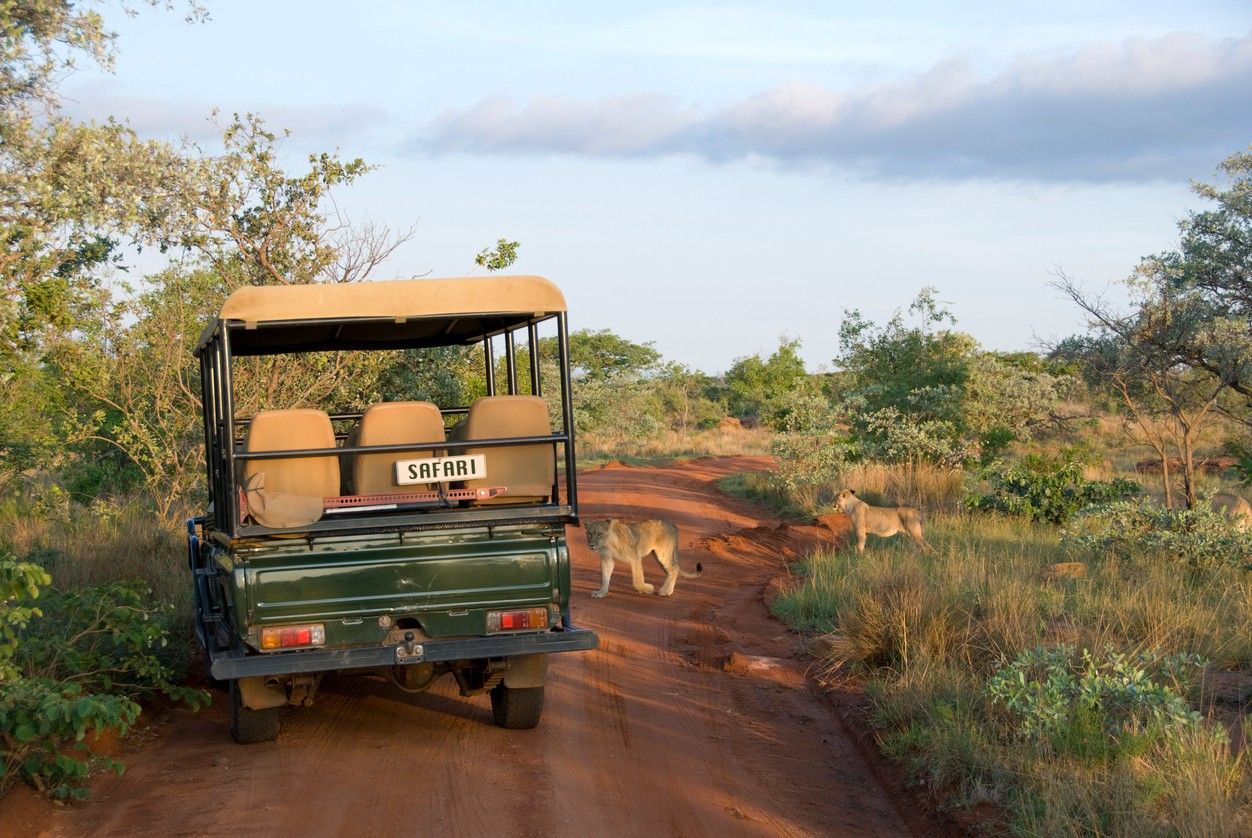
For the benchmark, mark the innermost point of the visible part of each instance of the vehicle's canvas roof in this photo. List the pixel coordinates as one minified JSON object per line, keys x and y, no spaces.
{"x":399,"y":298}
{"x":382,"y":314}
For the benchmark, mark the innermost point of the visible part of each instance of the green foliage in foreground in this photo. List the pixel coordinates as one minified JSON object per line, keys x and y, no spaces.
{"x":978,"y":684}
{"x":1093,"y":705}
{"x":1052,"y":495}
{"x":75,"y":664}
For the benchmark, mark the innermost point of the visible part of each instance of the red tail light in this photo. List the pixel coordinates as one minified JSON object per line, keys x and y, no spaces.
{"x":292,"y":637}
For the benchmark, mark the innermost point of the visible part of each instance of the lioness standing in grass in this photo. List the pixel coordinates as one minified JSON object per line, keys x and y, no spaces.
{"x":881,"y":521}
{"x":614,"y":539}
{"x":1237,"y":509}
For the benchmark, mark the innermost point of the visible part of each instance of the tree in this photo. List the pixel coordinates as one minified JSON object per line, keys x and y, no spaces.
{"x":759,"y":388}
{"x":922,"y":391}
{"x":1188,"y":330}
{"x":499,"y":257}
{"x":70,"y":195}
{"x":602,"y":355}
{"x":1136,"y":355}
{"x":920,"y":370}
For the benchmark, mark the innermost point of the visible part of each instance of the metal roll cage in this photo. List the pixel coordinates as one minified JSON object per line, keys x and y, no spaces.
{"x":224,"y":444}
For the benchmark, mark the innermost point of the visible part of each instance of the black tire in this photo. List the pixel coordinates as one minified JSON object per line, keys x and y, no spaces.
{"x":250,"y":726}
{"x":517,"y":708}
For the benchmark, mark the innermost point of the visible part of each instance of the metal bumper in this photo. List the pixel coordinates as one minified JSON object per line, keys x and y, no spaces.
{"x":229,"y":665}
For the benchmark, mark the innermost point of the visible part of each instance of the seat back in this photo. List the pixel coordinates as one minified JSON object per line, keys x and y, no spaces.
{"x":527,"y":470}
{"x":305,"y":478}
{"x":393,"y":423}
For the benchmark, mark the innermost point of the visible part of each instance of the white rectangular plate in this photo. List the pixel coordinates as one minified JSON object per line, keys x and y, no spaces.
{"x":441,"y":469}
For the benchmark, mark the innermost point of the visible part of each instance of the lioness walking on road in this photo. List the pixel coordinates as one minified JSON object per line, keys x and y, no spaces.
{"x":614,"y":539}
{"x":881,"y":521}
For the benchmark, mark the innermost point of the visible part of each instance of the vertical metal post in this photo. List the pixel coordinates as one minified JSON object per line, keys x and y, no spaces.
{"x":510,"y":361}
{"x":532,"y":333}
{"x":206,"y":413}
{"x":567,"y":413}
{"x":227,"y":422}
{"x":489,"y":356}
{"x":225,"y":483}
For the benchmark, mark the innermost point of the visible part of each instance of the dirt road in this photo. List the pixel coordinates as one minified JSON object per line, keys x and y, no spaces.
{"x":645,"y":736}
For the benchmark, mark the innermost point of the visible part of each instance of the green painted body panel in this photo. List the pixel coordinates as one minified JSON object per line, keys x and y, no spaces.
{"x":440,"y":582}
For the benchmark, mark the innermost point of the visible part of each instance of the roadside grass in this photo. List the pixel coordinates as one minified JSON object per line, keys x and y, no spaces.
{"x":760,"y":487}
{"x":930,"y":631}
{"x":103,"y":542}
{"x":601,"y":447}
{"x":923,"y":486}
{"x":95,"y":617}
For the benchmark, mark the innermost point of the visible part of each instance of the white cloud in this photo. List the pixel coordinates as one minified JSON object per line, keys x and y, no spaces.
{"x":1135,"y":110}
{"x":612,"y":127}
{"x":151,"y":117}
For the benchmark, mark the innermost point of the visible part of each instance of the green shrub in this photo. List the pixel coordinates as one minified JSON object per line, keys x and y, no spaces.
{"x":1052,"y":495}
{"x":1094,"y":705}
{"x":76,"y":664}
{"x":1198,"y":538}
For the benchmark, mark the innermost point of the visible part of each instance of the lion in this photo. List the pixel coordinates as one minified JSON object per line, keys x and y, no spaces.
{"x":614,"y":539}
{"x":881,"y":521}
{"x":1237,"y":509}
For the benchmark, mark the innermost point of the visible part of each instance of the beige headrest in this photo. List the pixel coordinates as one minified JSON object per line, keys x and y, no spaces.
{"x":307,"y":477}
{"x":526,"y":470}
{"x":393,"y":423}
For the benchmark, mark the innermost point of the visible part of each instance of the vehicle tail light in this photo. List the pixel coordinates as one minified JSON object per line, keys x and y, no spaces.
{"x":527,"y":618}
{"x":292,"y":637}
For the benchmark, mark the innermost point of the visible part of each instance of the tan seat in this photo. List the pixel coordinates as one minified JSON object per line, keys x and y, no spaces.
{"x":393,"y":423}
{"x":527,"y":470}
{"x":289,"y":492}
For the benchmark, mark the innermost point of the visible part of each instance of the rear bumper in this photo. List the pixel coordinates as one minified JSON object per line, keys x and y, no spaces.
{"x":226,"y":666}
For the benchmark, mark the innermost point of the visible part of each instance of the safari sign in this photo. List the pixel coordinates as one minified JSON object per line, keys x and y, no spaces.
{"x":441,"y":469}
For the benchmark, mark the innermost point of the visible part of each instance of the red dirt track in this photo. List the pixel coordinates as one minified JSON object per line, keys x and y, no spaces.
{"x":645,"y":736}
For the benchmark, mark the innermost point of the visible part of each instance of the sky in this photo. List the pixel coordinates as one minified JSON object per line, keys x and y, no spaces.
{"x":713,"y":178}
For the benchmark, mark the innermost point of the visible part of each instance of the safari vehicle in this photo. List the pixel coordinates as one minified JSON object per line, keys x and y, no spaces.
{"x":409,"y":539}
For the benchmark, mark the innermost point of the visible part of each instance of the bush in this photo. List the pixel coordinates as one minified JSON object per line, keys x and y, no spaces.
{"x":1094,"y":706}
{"x":1198,"y":538}
{"x":1052,"y":495}
{"x":77,"y":664}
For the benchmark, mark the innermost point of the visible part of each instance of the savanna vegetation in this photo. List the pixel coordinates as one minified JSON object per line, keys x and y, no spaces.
{"x":1075,"y":651}
{"x":1075,"y":655}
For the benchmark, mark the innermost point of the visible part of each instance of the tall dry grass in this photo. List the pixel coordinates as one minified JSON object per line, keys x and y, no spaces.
{"x":926,"y":486}
{"x":929,"y":630}
{"x":720,"y":441}
{"x":103,"y":542}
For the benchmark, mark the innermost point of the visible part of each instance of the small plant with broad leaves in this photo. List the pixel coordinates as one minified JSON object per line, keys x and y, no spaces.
{"x":1197,"y":538}
{"x":1052,"y":495}
{"x":1094,"y":705}
{"x":71,"y":667}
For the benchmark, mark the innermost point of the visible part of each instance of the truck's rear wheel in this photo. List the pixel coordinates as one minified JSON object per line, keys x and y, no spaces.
{"x":248,"y":726}
{"x":516,"y":708}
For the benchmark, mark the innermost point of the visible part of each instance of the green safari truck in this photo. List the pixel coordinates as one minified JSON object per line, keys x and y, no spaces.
{"x":408,"y":538}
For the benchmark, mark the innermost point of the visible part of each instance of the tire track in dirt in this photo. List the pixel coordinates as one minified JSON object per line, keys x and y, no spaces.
{"x":644,"y":736}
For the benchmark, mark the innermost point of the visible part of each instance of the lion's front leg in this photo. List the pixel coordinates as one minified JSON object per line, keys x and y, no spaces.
{"x":606,"y":574}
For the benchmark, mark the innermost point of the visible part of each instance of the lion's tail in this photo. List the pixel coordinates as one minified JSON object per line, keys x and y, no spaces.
{"x":682,"y":571}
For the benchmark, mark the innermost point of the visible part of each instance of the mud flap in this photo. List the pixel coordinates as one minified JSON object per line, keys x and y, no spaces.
{"x":255,"y":694}
{"x":526,"y":671}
